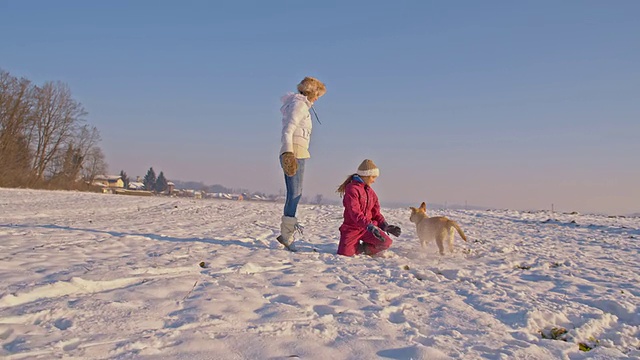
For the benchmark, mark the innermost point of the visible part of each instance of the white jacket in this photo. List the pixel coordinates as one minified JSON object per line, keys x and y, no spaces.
{"x":296,"y":125}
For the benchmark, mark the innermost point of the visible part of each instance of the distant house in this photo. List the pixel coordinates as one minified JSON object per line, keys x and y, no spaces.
{"x":188,"y":193}
{"x":108,"y":182}
{"x":219,"y":196}
{"x":170,"y":187}
{"x":196,"y":194}
{"x":134,"y":185}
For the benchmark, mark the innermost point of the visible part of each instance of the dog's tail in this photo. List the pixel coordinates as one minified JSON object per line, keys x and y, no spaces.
{"x":457,"y":227}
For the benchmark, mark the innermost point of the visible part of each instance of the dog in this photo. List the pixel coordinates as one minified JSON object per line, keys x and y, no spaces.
{"x":439,"y":228}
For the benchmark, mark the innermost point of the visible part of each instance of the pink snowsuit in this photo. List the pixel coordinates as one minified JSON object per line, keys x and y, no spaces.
{"x":361,"y":208}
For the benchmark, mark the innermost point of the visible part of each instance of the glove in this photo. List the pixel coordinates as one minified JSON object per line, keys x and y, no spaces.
{"x":289,"y":164}
{"x":393,"y":230}
{"x":376,"y":232}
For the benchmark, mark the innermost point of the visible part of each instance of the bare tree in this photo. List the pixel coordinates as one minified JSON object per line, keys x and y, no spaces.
{"x":43,"y":138}
{"x":94,"y":164}
{"x":87,"y":137}
{"x":65,"y":166}
{"x":15,"y":109}
{"x":57,"y":116}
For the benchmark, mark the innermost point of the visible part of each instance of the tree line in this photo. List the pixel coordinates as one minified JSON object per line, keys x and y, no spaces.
{"x":44,"y":138}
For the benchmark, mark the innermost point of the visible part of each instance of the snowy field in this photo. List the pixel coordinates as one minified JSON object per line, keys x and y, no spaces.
{"x":94,"y":276}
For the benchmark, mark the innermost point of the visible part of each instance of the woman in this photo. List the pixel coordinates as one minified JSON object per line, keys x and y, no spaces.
{"x":362,"y":218}
{"x":296,"y":133}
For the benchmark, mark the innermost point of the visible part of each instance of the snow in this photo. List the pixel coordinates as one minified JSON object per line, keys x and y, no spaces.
{"x":98,"y":276}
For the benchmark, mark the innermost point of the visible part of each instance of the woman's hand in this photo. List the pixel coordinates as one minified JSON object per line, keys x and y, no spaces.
{"x":289,"y":164}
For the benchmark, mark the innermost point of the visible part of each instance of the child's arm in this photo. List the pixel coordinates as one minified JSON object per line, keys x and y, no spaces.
{"x":382,"y":223}
{"x":376,"y":215}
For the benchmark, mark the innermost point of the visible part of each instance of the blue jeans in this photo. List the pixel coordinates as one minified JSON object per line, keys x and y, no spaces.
{"x":294,"y":189}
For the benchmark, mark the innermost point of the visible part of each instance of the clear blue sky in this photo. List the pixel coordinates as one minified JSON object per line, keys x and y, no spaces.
{"x":498,"y":103}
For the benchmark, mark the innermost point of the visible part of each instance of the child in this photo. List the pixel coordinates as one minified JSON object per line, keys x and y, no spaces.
{"x":362,"y":218}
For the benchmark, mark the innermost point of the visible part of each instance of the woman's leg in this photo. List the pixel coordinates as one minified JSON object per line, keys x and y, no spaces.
{"x":289,"y":222}
{"x":294,"y":189}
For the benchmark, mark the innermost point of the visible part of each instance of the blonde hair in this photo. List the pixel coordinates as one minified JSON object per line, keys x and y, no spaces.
{"x":311,"y":87}
{"x":341,"y":189}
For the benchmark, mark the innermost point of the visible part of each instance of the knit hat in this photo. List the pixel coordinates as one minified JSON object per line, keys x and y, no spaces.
{"x":368,"y":168}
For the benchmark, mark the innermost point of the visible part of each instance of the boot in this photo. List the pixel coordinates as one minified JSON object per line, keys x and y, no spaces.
{"x":287,"y":228}
{"x":363,"y":248}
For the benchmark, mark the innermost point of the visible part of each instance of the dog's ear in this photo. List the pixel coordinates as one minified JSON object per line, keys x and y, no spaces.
{"x":413,"y":209}
{"x":423,"y":206}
